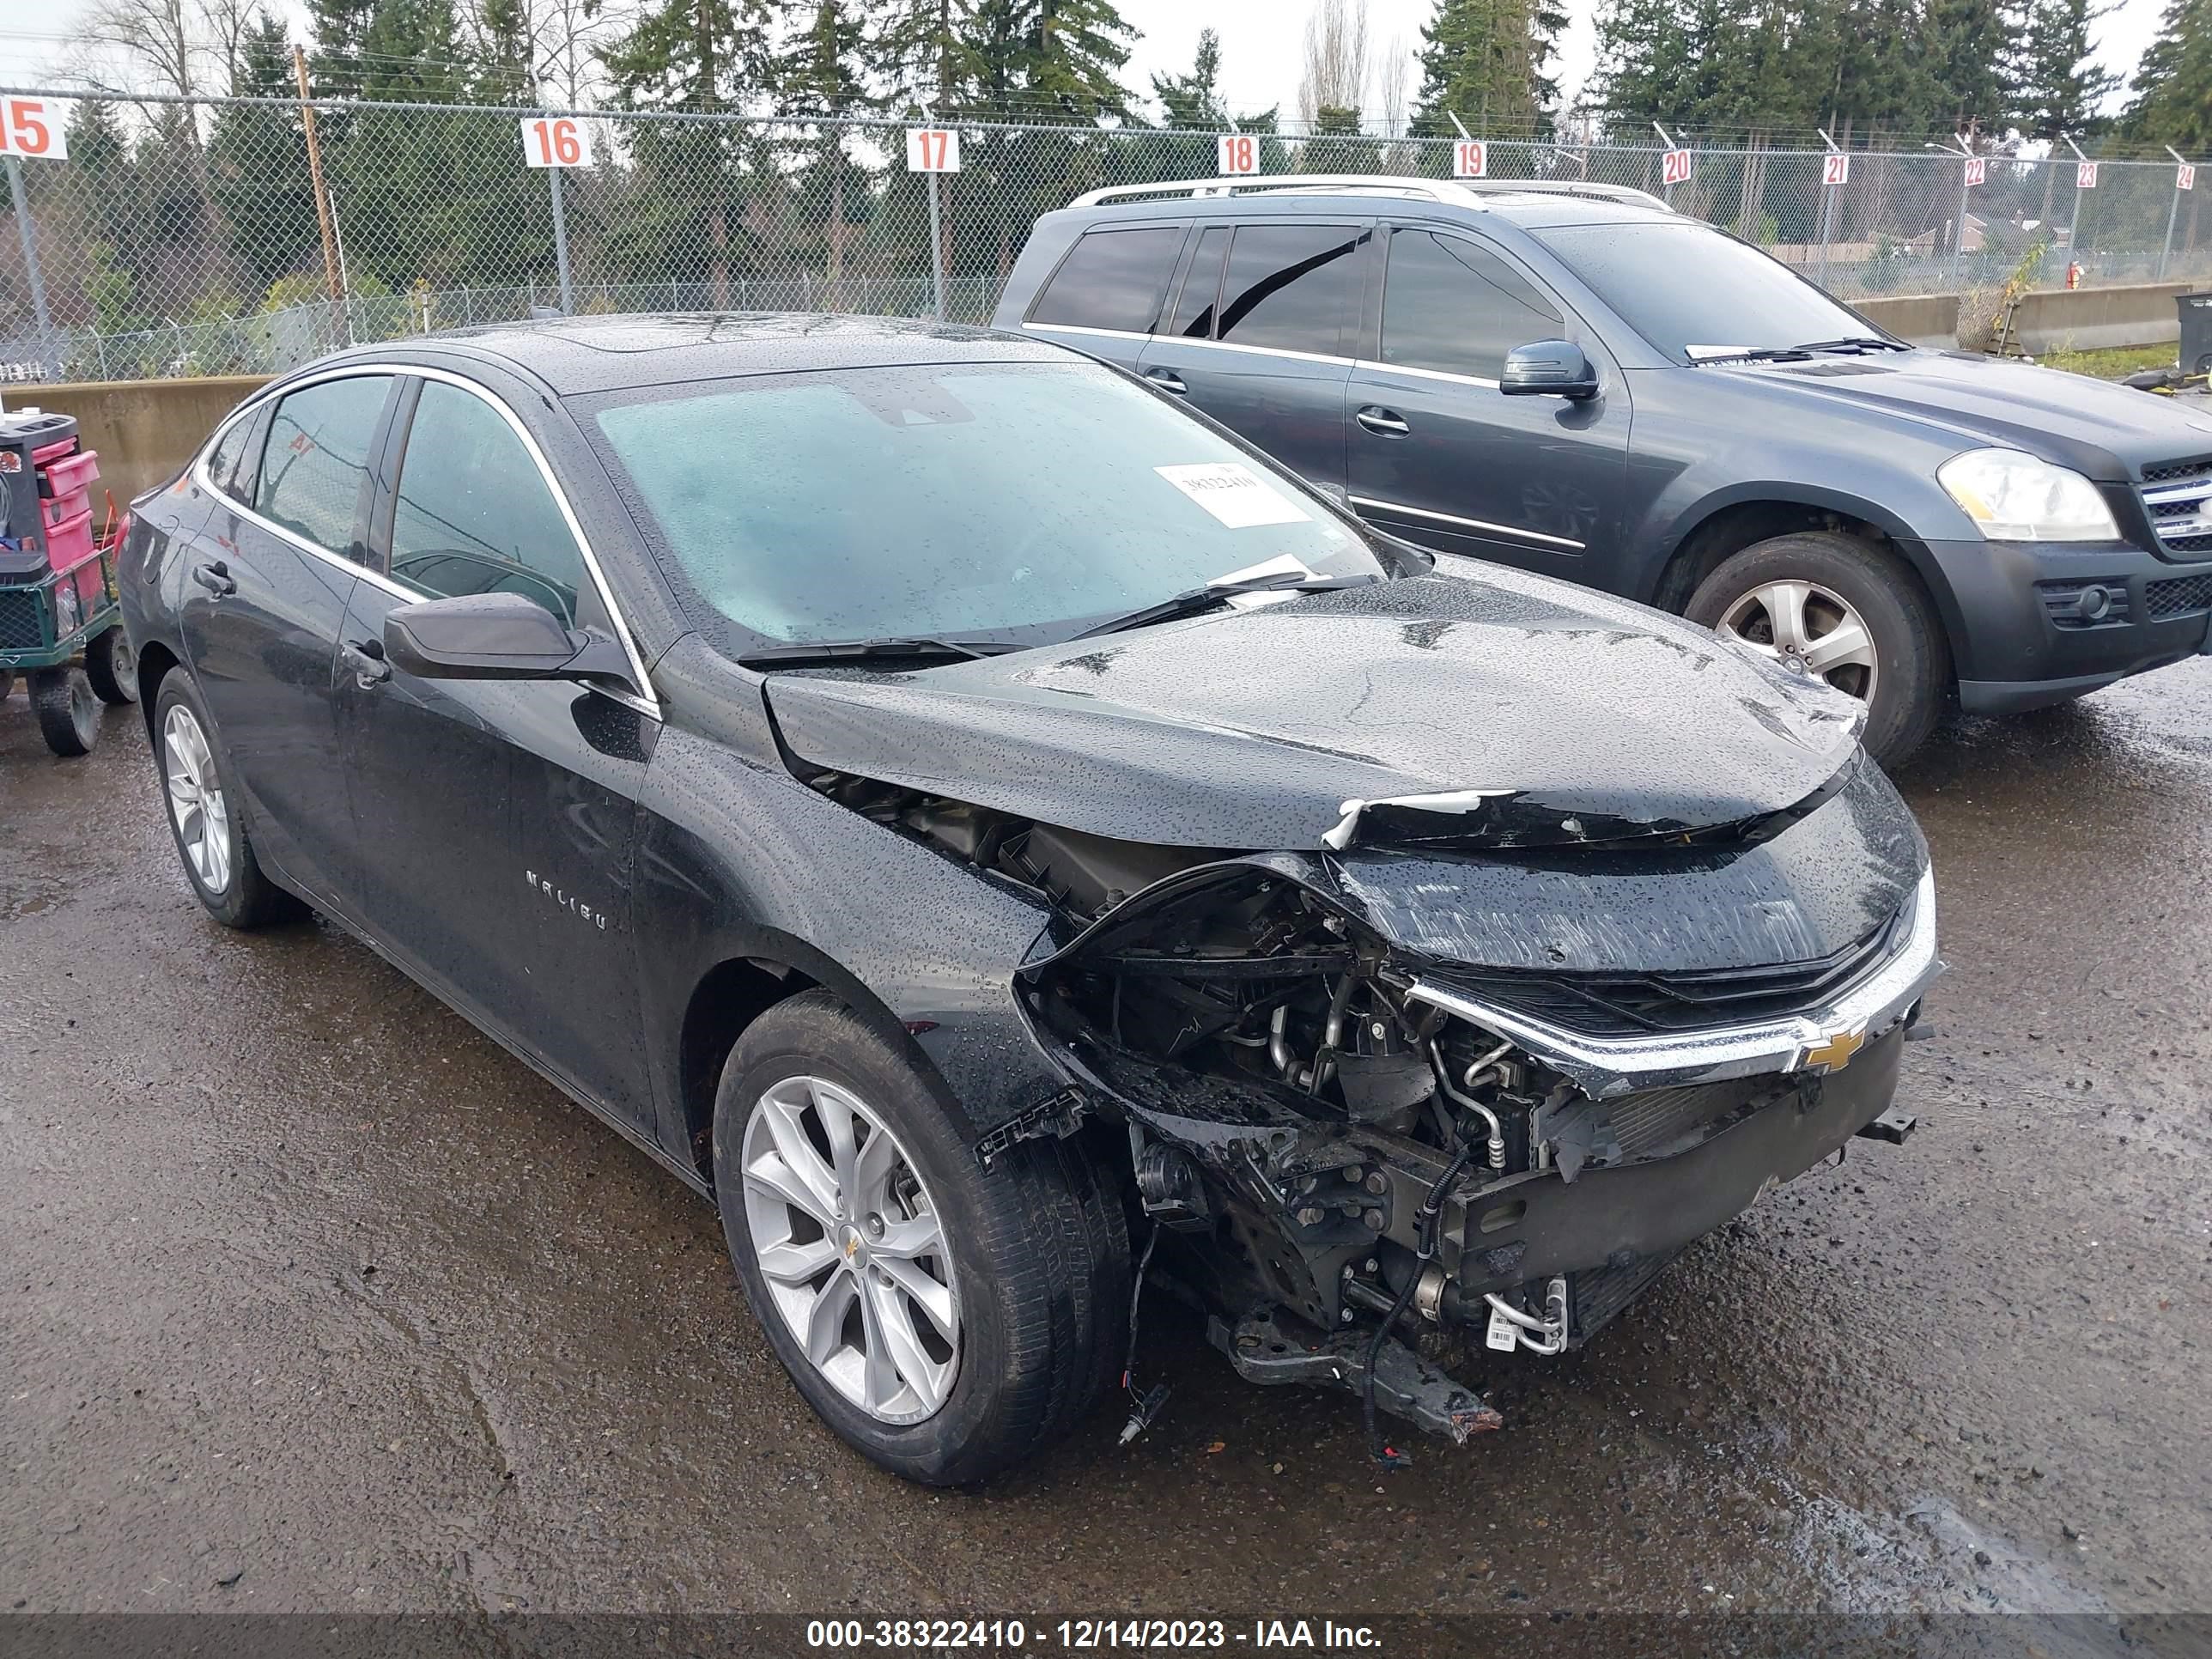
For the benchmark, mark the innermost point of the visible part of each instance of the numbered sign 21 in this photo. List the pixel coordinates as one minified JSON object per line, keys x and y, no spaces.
{"x":1836,"y":170}
{"x":1674,"y":168}
{"x":31,"y":126}
{"x":1470,"y":159}
{"x":1978,"y":171}
{"x":556,"y":140}
{"x":932,"y":149}
{"x":2184,"y":177}
{"x":1236,"y":154}
{"x":2085,"y":175}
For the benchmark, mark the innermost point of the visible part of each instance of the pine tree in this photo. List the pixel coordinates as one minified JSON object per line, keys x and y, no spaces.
{"x":823,"y":74}
{"x":2172,"y":87}
{"x":1967,"y":43}
{"x":258,"y":158}
{"x":1486,"y":62}
{"x":2057,"y":81}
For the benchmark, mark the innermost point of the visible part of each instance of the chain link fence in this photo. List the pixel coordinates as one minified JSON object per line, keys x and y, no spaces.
{"x":187,"y":241}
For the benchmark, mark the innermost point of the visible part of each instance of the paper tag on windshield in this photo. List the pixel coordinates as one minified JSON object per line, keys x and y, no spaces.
{"x":1235,"y":494}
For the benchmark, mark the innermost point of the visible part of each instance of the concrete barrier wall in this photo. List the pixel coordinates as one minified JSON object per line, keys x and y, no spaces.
{"x":2085,"y":318}
{"x":1928,"y":319}
{"x":144,"y":430}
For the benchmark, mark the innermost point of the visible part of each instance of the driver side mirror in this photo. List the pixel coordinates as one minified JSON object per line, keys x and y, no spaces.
{"x":1549,"y":369}
{"x":494,"y":636}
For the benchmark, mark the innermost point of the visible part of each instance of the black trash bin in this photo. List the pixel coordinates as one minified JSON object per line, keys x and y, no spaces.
{"x":2195,"y":354}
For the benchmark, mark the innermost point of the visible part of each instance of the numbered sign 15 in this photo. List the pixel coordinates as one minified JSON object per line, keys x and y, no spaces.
{"x":1236,"y":154}
{"x":2085,"y":175}
{"x":932,"y":149}
{"x":1470,"y":159}
{"x":2184,"y":177}
{"x":1674,"y":168}
{"x":555,"y":140}
{"x":31,"y":126}
{"x":1836,"y":170}
{"x":1978,"y":171}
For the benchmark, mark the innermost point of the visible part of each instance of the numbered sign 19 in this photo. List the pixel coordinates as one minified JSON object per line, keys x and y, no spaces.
{"x":932,"y":149}
{"x":1674,"y":168}
{"x":31,"y":126}
{"x":1236,"y":154}
{"x":1836,"y":170}
{"x":2184,"y":177}
{"x":558,"y":140}
{"x":1978,"y":171}
{"x":2085,"y":175}
{"x":1470,"y":159}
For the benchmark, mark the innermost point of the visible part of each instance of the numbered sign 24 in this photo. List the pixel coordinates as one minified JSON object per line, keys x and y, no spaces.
{"x":1470,"y":159}
{"x":1978,"y":171}
{"x":932,"y":149}
{"x":1836,"y":170}
{"x":1674,"y":168}
{"x":1236,"y":154}
{"x":2184,"y":177}
{"x":557,"y":141}
{"x":31,"y":126}
{"x":2085,"y":175}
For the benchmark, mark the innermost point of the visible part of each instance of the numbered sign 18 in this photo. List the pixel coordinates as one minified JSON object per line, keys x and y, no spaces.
{"x":1674,"y":168}
{"x":31,"y":126}
{"x":558,"y":140}
{"x":2184,"y":177}
{"x":1836,"y":170}
{"x":1978,"y":171}
{"x":932,"y":149}
{"x":2085,"y":175}
{"x":1236,"y":154}
{"x":1470,"y":159}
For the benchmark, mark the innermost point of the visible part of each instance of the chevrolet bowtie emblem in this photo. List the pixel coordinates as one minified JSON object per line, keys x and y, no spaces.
{"x":1834,"y":1052}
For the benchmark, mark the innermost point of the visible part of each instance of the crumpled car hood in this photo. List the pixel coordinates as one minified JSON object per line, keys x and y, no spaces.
{"x":1552,"y":712}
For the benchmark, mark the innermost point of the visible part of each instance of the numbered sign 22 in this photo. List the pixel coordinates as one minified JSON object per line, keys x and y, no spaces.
{"x":1674,"y":168}
{"x":1978,"y":171}
{"x":31,"y":126}
{"x":1836,"y":170}
{"x":2085,"y":175}
{"x":2184,"y":177}
{"x":557,"y":141}
{"x":1470,"y":159}
{"x":932,"y":149}
{"x":1236,"y":154}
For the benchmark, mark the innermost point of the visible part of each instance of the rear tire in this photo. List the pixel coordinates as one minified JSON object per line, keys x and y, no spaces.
{"x":1033,"y":1251}
{"x":1851,"y":581}
{"x":202,"y":805}
{"x":113,"y":672}
{"x":69,"y":713}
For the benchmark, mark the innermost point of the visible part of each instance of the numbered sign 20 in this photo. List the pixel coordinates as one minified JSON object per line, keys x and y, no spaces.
{"x":1978,"y":171}
{"x":31,"y":126}
{"x":1236,"y":154}
{"x":1674,"y":168}
{"x":932,"y":149}
{"x":1470,"y":159}
{"x":1836,"y":170}
{"x":2085,"y":175}
{"x":2184,"y":177}
{"x":558,"y":140}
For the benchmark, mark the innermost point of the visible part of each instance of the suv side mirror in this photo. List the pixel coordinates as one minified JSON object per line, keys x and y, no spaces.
{"x":1549,"y":369}
{"x":494,"y":636}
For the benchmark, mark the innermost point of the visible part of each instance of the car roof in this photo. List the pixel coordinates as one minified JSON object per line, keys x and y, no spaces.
{"x":578,"y":354}
{"x":1532,"y":208}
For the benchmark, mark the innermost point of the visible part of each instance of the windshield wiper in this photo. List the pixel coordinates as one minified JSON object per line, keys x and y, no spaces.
{"x":1853,"y":343}
{"x":1194,"y":601}
{"x":803,"y":652}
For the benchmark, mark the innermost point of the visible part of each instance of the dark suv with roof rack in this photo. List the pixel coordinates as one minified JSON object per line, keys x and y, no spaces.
{"x":1574,"y":380}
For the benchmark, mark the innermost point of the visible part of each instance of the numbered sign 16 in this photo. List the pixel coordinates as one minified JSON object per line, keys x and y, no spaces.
{"x":1470,"y":159}
{"x":1236,"y":154}
{"x":932,"y":149}
{"x":2184,"y":177}
{"x":31,"y":126}
{"x":1836,"y":170}
{"x":1674,"y":168}
{"x":1978,"y":171}
{"x":2085,"y":175}
{"x":558,"y":140}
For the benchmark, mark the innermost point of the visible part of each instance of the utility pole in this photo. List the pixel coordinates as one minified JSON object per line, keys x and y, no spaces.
{"x":331,"y":271}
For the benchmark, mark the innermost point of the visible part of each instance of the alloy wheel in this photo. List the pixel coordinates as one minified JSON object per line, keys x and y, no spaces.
{"x":853,"y":1248}
{"x":1806,"y":626}
{"x":196,"y":806}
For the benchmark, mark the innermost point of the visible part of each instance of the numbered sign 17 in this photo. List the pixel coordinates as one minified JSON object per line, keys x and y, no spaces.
{"x":2085,"y":175}
{"x":1470,"y":159}
{"x":31,"y":126}
{"x":1978,"y":171}
{"x":2184,"y":177}
{"x":932,"y":149}
{"x":1836,"y":170}
{"x":1236,"y":154}
{"x":558,"y":140}
{"x":1674,"y":168}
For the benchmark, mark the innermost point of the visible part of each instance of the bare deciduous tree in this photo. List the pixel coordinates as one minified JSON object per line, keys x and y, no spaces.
{"x":1335,"y":80}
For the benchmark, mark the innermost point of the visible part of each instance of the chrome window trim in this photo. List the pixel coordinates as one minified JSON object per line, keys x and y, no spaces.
{"x":1568,"y":542}
{"x":643,"y":699}
{"x":1604,"y":1066}
{"x":1180,"y":340}
{"x":1374,"y":367}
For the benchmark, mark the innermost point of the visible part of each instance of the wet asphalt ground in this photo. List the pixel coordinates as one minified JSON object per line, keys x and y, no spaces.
{"x":313,"y":1299}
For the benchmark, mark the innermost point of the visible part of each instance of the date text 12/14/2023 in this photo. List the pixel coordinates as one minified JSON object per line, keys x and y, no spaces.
{"x":1088,"y":1635}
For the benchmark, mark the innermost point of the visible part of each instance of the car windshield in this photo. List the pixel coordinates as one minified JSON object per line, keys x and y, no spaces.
{"x":1694,"y":293}
{"x":951,"y":500}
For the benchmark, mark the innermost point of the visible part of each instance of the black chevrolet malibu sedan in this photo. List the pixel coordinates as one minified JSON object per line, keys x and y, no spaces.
{"x":1005,"y":840}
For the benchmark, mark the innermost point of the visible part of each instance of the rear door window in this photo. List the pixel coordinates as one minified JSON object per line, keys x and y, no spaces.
{"x":1193,"y":315}
{"x":1114,"y":279}
{"x":316,"y":460}
{"x":1451,"y":306}
{"x":225,"y":457}
{"x":1291,"y":287}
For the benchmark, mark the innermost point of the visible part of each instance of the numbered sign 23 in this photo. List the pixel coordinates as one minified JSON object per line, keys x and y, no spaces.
{"x":1470,"y":159}
{"x":31,"y":126}
{"x":2085,"y":175}
{"x":1236,"y":154}
{"x":1674,"y":168}
{"x":932,"y":149}
{"x":1978,"y":171}
{"x":1836,"y":170}
{"x":556,"y":140}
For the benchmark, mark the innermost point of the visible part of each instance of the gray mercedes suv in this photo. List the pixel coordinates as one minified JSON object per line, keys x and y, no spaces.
{"x":1572,"y":379}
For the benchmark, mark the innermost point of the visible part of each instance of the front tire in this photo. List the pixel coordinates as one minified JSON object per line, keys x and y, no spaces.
{"x":1845,"y":609}
{"x":945,"y":1321}
{"x":203,"y":817}
{"x":69,"y":713}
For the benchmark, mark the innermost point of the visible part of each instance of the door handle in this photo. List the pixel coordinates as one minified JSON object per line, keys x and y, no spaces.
{"x":215,"y":576}
{"x":1168,"y":381}
{"x":366,"y":659}
{"x":1383,"y":423}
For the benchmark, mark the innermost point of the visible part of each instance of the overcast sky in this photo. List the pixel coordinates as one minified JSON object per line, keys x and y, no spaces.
{"x":1260,"y":41}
